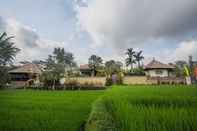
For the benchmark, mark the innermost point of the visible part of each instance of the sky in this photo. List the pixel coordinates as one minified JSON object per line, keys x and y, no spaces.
{"x":163,"y":29}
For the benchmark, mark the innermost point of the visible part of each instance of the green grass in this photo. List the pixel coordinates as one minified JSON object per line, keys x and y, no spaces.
{"x":29,"y":110}
{"x":122,"y":108}
{"x":145,"y":108}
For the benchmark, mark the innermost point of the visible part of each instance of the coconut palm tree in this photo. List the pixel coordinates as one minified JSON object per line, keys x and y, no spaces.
{"x":130,"y":58}
{"x":94,"y":62}
{"x":138,"y":57}
{"x":7,"y":50}
{"x":7,"y":54}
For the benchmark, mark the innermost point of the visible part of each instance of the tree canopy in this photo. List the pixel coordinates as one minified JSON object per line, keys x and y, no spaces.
{"x":56,"y":65}
{"x":94,"y":63}
{"x":138,"y":58}
{"x":112,"y":66}
{"x":8,"y":50}
{"x":130,"y":57}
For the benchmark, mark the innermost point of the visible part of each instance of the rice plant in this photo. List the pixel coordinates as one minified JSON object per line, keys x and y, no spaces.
{"x":146,"y":108}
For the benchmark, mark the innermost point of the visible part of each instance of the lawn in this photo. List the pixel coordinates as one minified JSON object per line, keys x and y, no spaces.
{"x":28,"y":110}
{"x":145,"y":108}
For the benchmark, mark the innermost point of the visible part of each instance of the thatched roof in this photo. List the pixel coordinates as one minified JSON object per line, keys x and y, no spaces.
{"x":27,"y":68}
{"x":154,"y":64}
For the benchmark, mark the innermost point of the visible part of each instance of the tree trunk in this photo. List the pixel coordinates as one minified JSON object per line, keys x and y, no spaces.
{"x":131,"y":67}
{"x":138,"y":64}
{"x":53,"y":88}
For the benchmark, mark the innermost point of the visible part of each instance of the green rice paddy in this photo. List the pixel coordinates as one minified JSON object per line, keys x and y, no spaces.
{"x":30,"y":110}
{"x":145,"y":108}
{"x":120,"y":108}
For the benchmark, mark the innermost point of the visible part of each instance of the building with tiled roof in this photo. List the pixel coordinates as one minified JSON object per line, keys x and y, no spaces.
{"x":158,"y":69}
{"x":25,"y":75}
{"x":85,"y":70}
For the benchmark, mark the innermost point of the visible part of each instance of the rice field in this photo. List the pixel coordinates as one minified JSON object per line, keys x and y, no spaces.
{"x":145,"y":108}
{"x":120,"y":108}
{"x":30,"y":110}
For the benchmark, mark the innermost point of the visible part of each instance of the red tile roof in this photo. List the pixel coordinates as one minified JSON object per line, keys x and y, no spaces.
{"x":85,"y":66}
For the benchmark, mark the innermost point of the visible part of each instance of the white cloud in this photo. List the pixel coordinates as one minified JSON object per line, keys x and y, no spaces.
{"x":27,"y":39}
{"x":131,"y":22}
{"x":182,"y":52}
{"x":186,"y":49}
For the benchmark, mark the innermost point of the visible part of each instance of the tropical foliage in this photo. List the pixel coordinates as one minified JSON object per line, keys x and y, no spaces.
{"x":138,"y":58}
{"x":56,"y":66}
{"x":8,"y":52}
{"x":113,"y":67}
{"x":94,"y":63}
{"x":179,"y":70}
{"x":130,"y":60}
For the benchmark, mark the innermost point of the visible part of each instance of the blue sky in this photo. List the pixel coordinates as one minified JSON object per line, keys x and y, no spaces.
{"x":105,"y":28}
{"x":52,"y":19}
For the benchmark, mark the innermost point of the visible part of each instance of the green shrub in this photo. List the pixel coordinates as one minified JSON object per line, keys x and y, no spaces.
{"x":119,"y":80}
{"x":135,"y":72}
{"x":100,"y":74}
{"x":109,"y":81}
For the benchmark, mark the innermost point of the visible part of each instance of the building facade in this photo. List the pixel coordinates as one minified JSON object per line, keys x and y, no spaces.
{"x":158,"y":69}
{"x":25,"y":75}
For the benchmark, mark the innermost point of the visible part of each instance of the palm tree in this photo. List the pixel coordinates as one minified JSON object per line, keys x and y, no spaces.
{"x":138,"y":57}
{"x":65,"y":58}
{"x":130,"y":60}
{"x":7,"y":50}
{"x":7,"y":54}
{"x":94,"y":62}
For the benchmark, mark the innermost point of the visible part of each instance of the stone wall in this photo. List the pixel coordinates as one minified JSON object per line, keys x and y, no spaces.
{"x":128,"y":80}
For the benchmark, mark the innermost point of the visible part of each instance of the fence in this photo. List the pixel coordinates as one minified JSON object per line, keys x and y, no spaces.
{"x":134,"y":80}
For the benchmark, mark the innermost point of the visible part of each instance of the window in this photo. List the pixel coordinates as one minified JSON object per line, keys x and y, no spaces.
{"x":159,"y":72}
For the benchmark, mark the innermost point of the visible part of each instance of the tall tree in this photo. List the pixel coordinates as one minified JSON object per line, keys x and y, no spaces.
{"x":7,"y":54}
{"x":94,"y":63}
{"x":59,"y":55}
{"x":138,"y":57}
{"x":63,"y":57}
{"x":55,"y":66}
{"x":179,"y":70}
{"x":130,"y":58}
{"x":113,"y":66}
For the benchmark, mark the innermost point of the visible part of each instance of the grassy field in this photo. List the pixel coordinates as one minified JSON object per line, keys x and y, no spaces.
{"x":122,"y":108}
{"x":45,"y":110}
{"x":139,"y":108}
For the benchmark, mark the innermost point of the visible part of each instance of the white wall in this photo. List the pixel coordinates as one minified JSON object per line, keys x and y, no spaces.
{"x":153,"y":73}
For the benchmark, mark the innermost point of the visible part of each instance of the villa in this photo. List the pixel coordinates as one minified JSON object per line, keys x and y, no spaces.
{"x":85,"y":70}
{"x":27,"y":74}
{"x":158,"y":69}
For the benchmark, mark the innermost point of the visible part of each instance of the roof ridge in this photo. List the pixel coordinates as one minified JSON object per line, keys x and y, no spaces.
{"x":27,"y":68}
{"x":155,"y":64}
